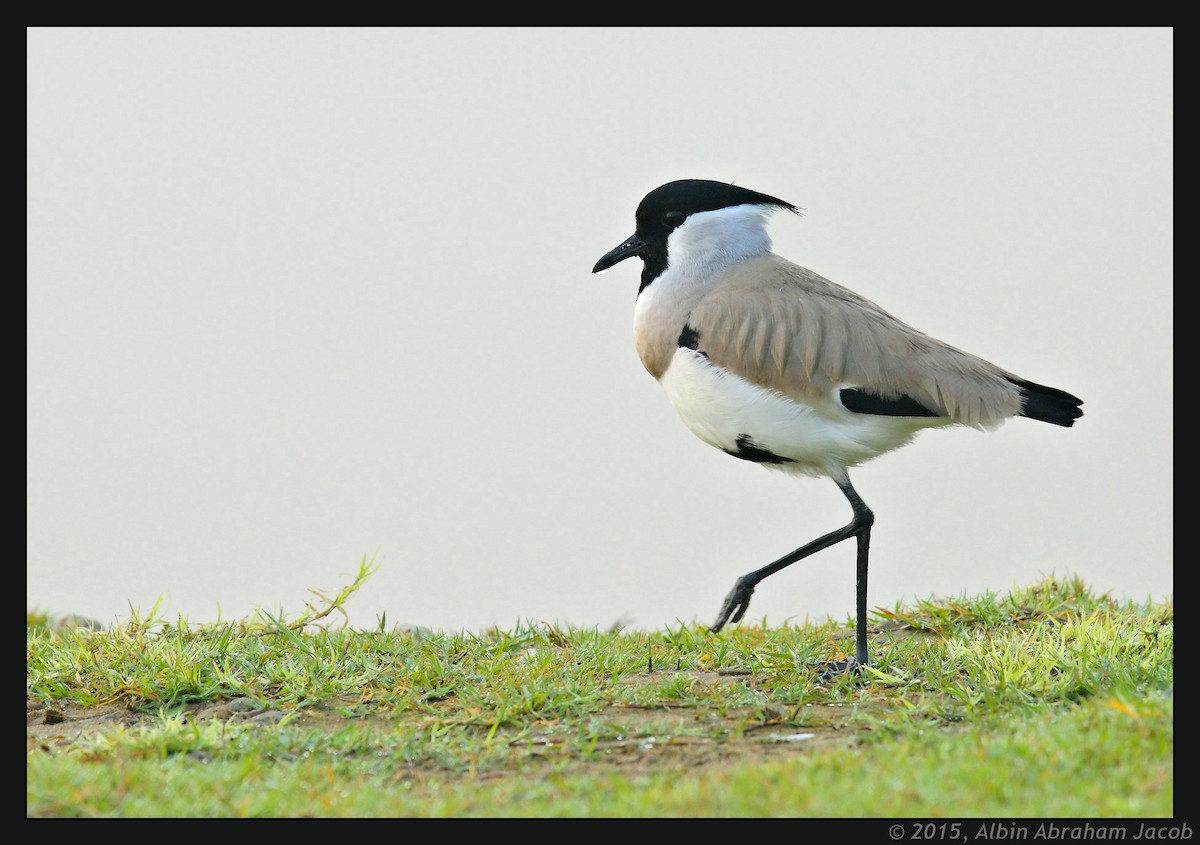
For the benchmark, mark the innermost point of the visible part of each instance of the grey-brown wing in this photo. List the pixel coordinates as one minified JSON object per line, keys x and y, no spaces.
{"x":781,"y":326}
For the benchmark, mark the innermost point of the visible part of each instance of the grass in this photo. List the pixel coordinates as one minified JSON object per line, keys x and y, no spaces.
{"x":1049,"y":701}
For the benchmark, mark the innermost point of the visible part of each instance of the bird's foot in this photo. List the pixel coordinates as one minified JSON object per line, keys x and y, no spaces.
{"x":734,"y":607}
{"x":831,"y":669}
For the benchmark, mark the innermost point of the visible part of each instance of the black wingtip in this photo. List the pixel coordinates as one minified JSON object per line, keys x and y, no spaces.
{"x":1048,"y":404}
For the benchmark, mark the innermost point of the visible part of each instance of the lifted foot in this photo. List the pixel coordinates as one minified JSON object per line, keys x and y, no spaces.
{"x":734,"y":607}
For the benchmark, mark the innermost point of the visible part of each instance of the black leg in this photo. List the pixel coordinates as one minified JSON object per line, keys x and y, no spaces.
{"x":738,"y":600}
{"x":860,"y":646}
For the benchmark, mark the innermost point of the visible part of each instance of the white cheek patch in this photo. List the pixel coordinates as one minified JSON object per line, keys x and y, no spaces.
{"x":710,"y":241}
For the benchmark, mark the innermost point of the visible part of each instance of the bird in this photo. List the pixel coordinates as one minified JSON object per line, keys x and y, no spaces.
{"x":776,"y":365}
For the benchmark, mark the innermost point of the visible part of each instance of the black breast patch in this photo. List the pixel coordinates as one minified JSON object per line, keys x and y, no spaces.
{"x":689,"y":338}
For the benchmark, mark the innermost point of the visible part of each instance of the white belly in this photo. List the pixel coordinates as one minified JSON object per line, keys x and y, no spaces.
{"x":818,"y":439}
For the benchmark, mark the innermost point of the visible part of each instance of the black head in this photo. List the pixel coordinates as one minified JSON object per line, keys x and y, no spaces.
{"x":667,"y":207}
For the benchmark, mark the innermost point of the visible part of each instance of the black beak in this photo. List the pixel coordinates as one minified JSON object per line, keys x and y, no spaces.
{"x":631,"y":246}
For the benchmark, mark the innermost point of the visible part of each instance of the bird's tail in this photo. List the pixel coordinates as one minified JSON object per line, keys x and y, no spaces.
{"x":1048,"y":404}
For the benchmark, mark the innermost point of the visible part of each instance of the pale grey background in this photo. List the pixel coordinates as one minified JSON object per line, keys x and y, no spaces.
{"x":300,"y":295}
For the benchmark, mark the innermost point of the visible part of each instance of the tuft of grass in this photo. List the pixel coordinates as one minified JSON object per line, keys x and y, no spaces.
{"x":1032,"y":703}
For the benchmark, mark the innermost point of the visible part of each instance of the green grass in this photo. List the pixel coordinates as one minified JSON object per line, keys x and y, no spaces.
{"x":1050,"y":701}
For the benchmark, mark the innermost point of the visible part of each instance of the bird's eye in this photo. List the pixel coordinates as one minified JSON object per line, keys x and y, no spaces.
{"x":673,"y":218}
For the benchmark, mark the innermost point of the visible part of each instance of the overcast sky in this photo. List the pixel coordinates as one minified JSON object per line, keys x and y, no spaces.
{"x":300,"y":295}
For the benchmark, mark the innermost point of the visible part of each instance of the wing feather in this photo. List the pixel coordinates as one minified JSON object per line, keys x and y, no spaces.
{"x":781,"y":326}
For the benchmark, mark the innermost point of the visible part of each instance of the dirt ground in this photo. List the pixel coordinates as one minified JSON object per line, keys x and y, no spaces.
{"x":674,"y":744}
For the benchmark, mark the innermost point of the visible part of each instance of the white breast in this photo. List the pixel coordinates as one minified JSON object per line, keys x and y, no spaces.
{"x":720,"y":407}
